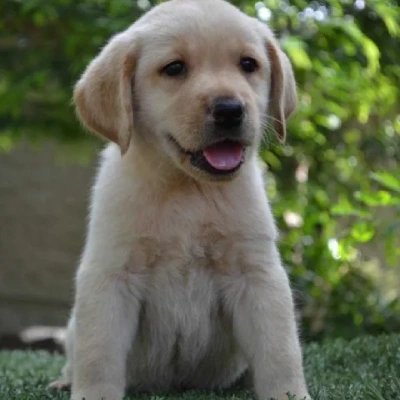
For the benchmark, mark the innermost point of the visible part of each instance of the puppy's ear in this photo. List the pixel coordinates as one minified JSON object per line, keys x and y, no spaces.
{"x":103,"y":95}
{"x":283,"y":96}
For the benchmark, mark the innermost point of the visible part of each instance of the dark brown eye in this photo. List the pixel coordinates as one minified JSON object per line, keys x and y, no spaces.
{"x":176,"y":68}
{"x":248,"y":65}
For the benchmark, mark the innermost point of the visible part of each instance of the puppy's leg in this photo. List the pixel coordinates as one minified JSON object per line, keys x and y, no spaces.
{"x":265,"y":327}
{"x":64,"y":381}
{"x":106,"y":317}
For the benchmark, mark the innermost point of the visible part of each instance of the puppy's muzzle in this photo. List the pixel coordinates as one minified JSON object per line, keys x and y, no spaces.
{"x":225,"y":138}
{"x":222,"y":151}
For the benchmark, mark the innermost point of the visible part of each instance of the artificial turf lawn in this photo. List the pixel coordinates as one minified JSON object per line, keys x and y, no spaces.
{"x":366,"y":368}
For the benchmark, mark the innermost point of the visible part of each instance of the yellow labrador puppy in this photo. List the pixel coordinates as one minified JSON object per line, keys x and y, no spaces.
{"x":180,"y":284}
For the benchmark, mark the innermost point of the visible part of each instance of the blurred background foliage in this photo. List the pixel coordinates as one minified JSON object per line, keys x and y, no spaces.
{"x":335,"y":185}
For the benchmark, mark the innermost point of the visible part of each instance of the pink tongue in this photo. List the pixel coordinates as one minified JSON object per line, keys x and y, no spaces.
{"x":224,"y":156}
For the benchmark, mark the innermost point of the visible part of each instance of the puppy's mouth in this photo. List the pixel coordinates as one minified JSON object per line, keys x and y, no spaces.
{"x":222,"y":158}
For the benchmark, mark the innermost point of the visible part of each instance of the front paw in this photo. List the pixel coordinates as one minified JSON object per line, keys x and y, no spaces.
{"x":97,"y":392}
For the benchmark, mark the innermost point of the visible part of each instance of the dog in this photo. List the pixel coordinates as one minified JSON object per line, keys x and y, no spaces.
{"x":180,"y":285}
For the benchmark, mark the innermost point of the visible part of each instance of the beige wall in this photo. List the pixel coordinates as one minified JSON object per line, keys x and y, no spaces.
{"x":43,"y":206}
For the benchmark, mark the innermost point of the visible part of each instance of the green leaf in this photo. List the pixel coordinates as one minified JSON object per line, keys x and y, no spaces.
{"x":390,"y":17}
{"x":363,"y":232}
{"x":346,"y":209}
{"x":378,"y":199}
{"x":296,"y":50}
{"x":6,"y":143}
{"x":386,"y":179}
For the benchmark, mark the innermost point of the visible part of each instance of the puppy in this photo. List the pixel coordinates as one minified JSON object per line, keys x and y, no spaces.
{"x":180,"y":285}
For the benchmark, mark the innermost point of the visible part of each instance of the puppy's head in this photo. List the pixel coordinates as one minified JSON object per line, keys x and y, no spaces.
{"x":195,"y":79}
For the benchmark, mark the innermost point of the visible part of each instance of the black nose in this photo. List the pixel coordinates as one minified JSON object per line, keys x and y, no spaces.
{"x":227,"y":112}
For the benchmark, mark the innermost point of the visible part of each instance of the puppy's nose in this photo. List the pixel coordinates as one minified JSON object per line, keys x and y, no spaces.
{"x":228,"y":112}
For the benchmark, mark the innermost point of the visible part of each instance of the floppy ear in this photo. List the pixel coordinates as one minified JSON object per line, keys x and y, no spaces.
{"x":103,"y":95}
{"x":283,"y":96}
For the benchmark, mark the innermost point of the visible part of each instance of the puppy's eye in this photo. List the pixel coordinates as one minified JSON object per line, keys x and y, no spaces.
{"x":176,"y":68}
{"x":248,"y":65}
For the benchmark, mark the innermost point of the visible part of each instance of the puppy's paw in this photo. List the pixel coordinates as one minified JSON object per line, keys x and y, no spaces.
{"x":296,"y":392}
{"x":60,"y":384}
{"x":97,"y":392}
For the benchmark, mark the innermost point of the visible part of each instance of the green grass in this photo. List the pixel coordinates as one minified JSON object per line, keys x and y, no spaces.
{"x":366,"y":368}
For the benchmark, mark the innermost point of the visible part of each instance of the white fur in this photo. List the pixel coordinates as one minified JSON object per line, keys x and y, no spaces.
{"x":180,"y":284}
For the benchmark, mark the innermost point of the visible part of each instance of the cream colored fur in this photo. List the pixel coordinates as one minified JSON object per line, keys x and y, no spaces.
{"x":180,"y":284}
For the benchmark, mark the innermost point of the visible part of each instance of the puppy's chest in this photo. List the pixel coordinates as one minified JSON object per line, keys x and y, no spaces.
{"x":179,"y":236}
{"x":180,"y":255}
{"x":188,"y":301}
{"x":181,"y":325}
{"x":181,"y":261}
{"x":181,"y":309}
{"x":180,"y":273}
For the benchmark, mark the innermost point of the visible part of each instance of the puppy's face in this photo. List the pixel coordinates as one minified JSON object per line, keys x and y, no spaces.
{"x":195,"y":79}
{"x":201,"y":87}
